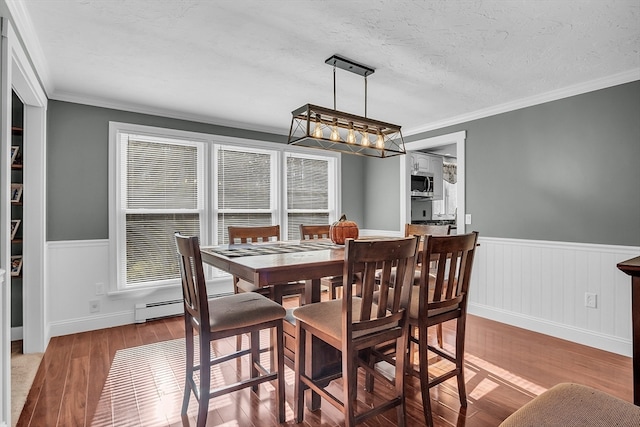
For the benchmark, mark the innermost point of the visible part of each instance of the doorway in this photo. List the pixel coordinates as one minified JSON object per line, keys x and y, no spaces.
{"x":17,"y":74}
{"x":457,"y":138}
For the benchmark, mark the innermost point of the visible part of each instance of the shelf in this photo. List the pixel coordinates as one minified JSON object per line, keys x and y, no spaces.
{"x":16,"y":241}
{"x":16,"y":129}
{"x":16,"y":166}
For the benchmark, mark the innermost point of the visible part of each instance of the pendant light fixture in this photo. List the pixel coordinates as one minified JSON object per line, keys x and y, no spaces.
{"x":327,"y":129}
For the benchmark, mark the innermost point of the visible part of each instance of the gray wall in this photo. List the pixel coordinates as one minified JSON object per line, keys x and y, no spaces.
{"x":567,"y":170}
{"x":77,"y":167}
{"x":382,"y":195}
{"x":562,"y":171}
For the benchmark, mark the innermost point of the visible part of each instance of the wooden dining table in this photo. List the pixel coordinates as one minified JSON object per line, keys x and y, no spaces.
{"x":274,"y":263}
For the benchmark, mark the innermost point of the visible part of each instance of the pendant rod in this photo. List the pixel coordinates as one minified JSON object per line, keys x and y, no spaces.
{"x":365,"y":96}
{"x":334,"y":87}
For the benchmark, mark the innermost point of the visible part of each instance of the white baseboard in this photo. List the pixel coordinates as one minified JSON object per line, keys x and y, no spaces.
{"x":91,"y":323}
{"x":581,"y":336}
{"x":16,"y":333}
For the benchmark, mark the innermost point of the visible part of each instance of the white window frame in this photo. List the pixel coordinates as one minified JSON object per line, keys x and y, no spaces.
{"x":332,"y":208}
{"x":117,"y":213}
{"x":210,"y":144}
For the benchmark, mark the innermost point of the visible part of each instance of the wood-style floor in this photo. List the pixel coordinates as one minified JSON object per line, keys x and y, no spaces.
{"x":505,"y":368}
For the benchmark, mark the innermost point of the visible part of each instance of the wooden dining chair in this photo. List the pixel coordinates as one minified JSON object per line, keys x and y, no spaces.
{"x":311,"y":232}
{"x":426,"y":230}
{"x":354,"y":324}
{"x":271,"y":233}
{"x":439,"y":298}
{"x":219,"y":318}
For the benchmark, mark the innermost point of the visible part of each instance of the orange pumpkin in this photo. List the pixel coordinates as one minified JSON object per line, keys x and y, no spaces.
{"x":342,"y":230}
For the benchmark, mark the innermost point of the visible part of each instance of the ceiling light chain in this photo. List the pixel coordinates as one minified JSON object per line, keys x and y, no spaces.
{"x":336,"y":130}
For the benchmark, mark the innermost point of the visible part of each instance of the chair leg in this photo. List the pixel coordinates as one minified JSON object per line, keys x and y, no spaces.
{"x":439,"y":334}
{"x":350,"y":392}
{"x":424,"y":375}
{"x":299,"y":387}
{"x":188,"y":366}
{"x":254,"y":346}
{"x":205,"y":380}
{"x":462,"y":392}
{"x":277,"y":337}
{"x":401,"y":360}
{"x":332,"y":290}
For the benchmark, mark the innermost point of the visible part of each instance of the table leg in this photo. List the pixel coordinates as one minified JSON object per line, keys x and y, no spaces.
{"x":635,"y":319}
{"x":311,"y":295}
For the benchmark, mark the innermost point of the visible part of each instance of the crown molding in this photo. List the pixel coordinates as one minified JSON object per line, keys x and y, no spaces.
{"x":171,"y":114}
{"x":27,"y":34}
{"x":578,"y":89}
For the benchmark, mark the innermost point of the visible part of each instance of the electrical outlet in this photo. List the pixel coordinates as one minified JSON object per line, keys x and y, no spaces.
{"x":590,"y":300}
{"x":94,"y":306}
{"x":467,"y":219}
{"x":99,"y":288}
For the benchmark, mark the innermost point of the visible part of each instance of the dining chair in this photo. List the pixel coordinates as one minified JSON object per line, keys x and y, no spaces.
{"x":354,"y":324}
{"x":440,"y":297}
{"x":311,"y":232}
{"x":269,"y":233}
{"x":426,"y":230}
{"x":218,"y":318}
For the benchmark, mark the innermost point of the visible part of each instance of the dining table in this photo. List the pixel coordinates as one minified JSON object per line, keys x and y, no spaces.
{"x":274,"y":263}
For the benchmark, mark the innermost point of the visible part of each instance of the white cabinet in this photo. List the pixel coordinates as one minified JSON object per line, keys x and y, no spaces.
{"x":420,"y":163}
{"x":436,"y":167}
{"x":427,"y":164}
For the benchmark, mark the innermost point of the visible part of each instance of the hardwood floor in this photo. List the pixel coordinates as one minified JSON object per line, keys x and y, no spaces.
{"x":95,"y":378}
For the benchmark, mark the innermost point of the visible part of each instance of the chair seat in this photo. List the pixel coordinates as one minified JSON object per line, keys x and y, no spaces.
{"x":240,"y":310}
{"x":326,"y":316}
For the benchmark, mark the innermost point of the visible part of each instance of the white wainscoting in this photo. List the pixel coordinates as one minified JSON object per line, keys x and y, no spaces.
{"x":73,"y":270}
{"x":536,"y":285}
{"x":540,"y":286}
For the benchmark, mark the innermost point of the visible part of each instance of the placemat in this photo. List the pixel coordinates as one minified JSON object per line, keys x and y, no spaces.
{"x":266,"y":249}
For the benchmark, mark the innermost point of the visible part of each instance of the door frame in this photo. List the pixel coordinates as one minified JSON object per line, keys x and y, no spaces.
{"x":17,"y":74}
{"x":458,"y":138}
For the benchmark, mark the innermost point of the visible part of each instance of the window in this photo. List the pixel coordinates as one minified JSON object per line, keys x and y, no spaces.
{"x":309,"y":198}
{"x":159,"y":194}
{"x":163,"y":181}
{"x":245,"y":188}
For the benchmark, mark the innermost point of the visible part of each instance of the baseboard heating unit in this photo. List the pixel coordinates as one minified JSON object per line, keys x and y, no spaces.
{"x":158,"y":310}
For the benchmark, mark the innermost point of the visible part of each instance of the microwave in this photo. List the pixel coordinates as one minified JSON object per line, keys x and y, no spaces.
{"x":421,"y":185}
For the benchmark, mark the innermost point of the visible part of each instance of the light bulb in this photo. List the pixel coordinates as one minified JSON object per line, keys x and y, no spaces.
{"x":351,"y":135}
{"x":365,"y":138}
{"x":335,"y":136}
{"x":380,"y":140}
{"x":317,"y":131}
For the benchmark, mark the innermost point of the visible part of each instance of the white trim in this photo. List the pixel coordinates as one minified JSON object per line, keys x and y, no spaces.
{"x":554,"y":329}
{"x":91,"y":323}
{"x":163,"y":112}
{"x":17,"y":74}
{"x":458,"y":138}
{"x":28,"y":34}
{"x":554,"y":95}
{"x":16,"y":333}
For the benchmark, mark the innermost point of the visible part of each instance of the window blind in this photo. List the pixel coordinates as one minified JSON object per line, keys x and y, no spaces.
{"x":244,"y":192}
{"x":308,"y":193}
{"x":160,"y":196}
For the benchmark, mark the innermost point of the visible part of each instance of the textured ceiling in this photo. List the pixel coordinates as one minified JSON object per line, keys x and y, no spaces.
{"x":249,"y":63}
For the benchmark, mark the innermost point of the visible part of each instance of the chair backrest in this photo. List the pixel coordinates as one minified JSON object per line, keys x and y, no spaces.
{"x":194,"y":290}
{"x":379,"y":311}
{"x":310,"y":232}
{"x":446,"y":287}
{"x":424,"y":229}
{"x":253,"y":234}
